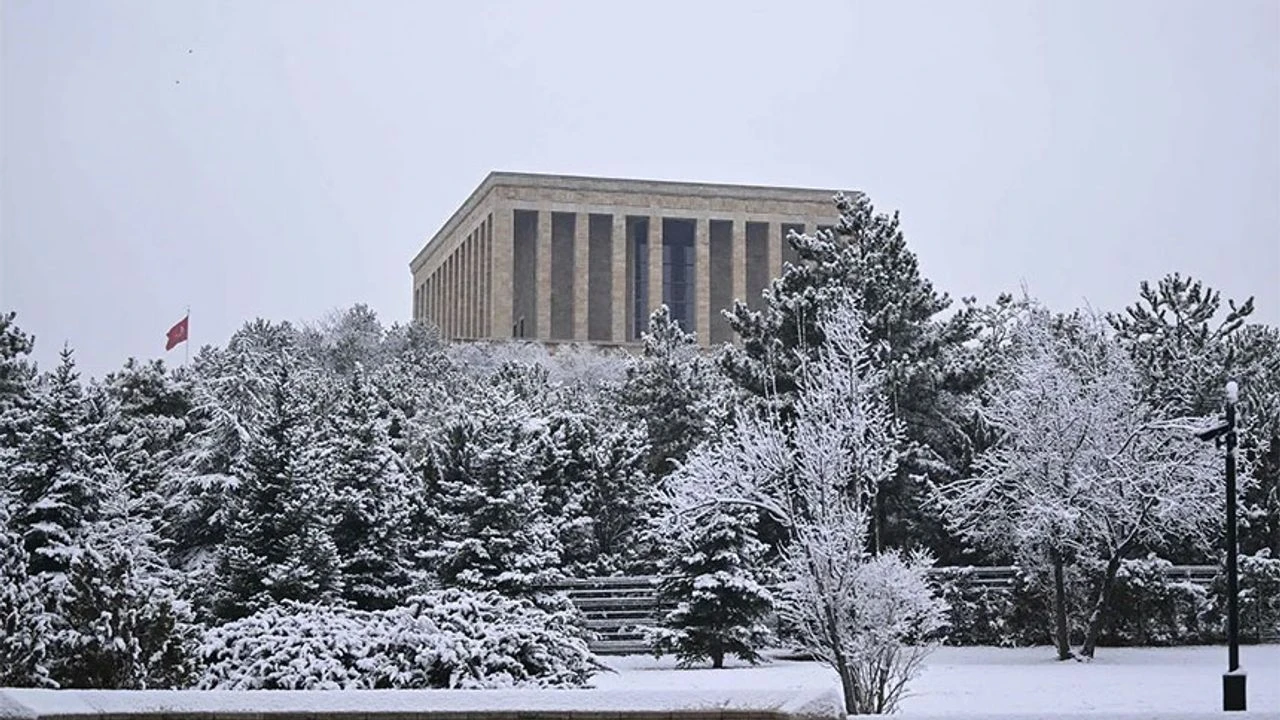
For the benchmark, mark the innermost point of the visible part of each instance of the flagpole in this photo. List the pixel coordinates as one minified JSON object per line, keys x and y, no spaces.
{"x":186,"y":346}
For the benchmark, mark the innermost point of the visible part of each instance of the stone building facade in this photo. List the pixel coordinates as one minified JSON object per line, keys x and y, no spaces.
{"x":576,"y":259}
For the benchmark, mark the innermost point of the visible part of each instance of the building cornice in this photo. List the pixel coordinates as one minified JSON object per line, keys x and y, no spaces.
{"x":581,"y":183}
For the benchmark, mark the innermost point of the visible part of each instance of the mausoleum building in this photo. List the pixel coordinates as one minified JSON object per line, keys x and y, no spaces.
{"x":558,"y":258}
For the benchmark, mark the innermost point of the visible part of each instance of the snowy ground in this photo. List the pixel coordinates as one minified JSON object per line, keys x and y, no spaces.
{"x":1000,"y":680}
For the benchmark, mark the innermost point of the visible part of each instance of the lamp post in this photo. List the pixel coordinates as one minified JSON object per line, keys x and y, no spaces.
{"x":1233,"y":682}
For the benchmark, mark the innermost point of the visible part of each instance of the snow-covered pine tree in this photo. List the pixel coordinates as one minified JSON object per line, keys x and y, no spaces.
{"x":52,"y":478}
{"x":278,"y":544}
{"x":595,"y":488}
{"x":1186,"y":348}
{"x":481,"y":470}
{"x":370,"y":496}
{"x":345,"y":339}
{"x":17,"y":376}
{"x":1255,"y":350}
{"x":1179,"y":344}
{"x":24,"y":623}
{"x":120,"y":623}
{"x":139,"y":414}
{"x":230,"y":388}
{"x":674,"y":391}
{"x":711,"y":580}
{"x":415,"y":378}
{"x":866,"y":257}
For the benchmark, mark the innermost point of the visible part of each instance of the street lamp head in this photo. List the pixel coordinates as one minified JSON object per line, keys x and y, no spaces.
{"x":1211,"y":434}
{"x":1233,"y":392}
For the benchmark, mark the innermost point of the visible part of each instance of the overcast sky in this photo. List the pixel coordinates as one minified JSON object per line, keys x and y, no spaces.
{"x":283,"y":159}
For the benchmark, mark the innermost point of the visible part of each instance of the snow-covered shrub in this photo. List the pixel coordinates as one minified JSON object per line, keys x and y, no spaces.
{"x":977,"y":614}
{"x":1149,"y":609}
{"x":446,"y":639}
{"x":1259,"y":608}
{"x":875,"y":620}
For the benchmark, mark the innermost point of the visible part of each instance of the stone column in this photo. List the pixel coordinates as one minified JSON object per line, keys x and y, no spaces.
{"x":446,"y":297}
{"x":464,"y":287}
{"x":739,"y":260}
{"x":455,"y":295}
{"x":619,"y":286}
{"x":542,"y":326}
{"x":775,"y":249}
{"x":486,"y":278}
{"x":502,"y":276}
{"x":702,"y":280}
{"x":581,"y":275}
{"x":655,"y":262}
{"x":472,"y":281}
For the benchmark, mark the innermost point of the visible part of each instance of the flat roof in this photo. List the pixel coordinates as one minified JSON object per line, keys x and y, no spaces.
{"x":499,"y":178}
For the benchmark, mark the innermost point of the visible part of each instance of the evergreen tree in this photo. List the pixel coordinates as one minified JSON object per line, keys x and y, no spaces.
{"x":866,"y":257}
{"x":674,"y":390}
{"x":481,"y":475}
{"x":278,"y":544}
{"x":120,"y":623}
{"x":370,"y":492}
{"x":1185,"y":350}
{"x":346,"y":339}
{"x":17,"y":375}
{"x":24,"y":624}
{"x":56,"y":492}
{"x":595,"y":487}
{"x":1255,"y":350}
{"x":139,"y":414}
{"x":719,"y":605}
{"x":1178,"y":343}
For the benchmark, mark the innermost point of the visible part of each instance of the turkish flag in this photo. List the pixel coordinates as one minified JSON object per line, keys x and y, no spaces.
{"x":177,"y":334}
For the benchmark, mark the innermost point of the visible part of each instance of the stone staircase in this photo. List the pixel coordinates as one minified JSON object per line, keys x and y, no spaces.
{"x":617,"y":607}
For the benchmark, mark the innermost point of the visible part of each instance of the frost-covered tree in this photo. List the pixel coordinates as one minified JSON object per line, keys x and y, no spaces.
{"x":1084,"y":468}
{"x":139,"y":415}
{"x":674,"y":390}
{"x":872,"y":618}
{"x":230,"y":391}
{"x":278,"y":544}
{"x":719,"y":604}
{"x":119,"y":621}
{"x":370,"y":498}
{"x":488,"y":521}
{"x":24,"y":622}
{"x":595,"y":487}
{"x":52,"y":475}
{"x":17,"y":376}
{"x":346,"y":339}
{"x":1255,"y":350}
{"x":1179,"y":344}
{"x":866,"y":257}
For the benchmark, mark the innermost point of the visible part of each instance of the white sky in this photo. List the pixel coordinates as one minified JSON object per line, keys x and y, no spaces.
{"x":283,"y":159}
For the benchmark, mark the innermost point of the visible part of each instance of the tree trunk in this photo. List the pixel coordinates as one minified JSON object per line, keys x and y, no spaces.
{"x":881,"y":518}
{"x":847,"y":685}
{"x":1060,"y":608}
{"x":717,"y":657}
{"x":1100,"y":606}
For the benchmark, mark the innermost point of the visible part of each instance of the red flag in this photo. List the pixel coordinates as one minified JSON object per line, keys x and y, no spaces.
{"x":177,"y":334}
